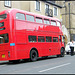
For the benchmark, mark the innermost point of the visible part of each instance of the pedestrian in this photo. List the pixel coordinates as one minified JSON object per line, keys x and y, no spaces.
{"x":72,"y":48}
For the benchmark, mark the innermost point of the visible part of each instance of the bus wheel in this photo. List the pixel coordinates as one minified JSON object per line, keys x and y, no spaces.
{"x":62,"y":52}
{"x":33,"y":55}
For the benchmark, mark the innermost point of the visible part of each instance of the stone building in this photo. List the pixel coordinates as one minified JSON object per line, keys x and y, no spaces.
{"x":68,"y":16}
{"x":48,"y":8}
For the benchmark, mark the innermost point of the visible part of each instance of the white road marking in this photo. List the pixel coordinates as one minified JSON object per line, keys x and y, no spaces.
{"x":55,"y":67}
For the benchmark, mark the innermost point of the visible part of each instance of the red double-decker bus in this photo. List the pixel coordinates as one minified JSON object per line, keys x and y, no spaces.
{"x":26,"y":35}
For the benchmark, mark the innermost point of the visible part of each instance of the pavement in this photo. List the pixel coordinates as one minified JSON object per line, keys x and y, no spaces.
{"x":3,"y":61}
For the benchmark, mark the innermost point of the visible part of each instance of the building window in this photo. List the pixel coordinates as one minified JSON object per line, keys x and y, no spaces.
{"x":55,"y":11}
{"x":7,"y":3}
{"x":47,"y":8}
{"x":37,"y":5}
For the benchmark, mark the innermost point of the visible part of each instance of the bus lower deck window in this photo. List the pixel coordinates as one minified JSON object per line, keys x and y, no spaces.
{"x":32,"y":38}
{"x":41,"y":39}
{"x":48,"y":39}
{"x":55,"y":39}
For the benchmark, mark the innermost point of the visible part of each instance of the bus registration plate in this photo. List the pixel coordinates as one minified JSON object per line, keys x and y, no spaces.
{"x":3,"y":56}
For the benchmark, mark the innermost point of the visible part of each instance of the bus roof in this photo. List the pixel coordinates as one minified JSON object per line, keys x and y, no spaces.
{"x":37,"y":15}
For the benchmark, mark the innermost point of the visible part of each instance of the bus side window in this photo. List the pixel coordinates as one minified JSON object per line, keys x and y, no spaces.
{"x":30,"y":18}
{"x":55,"y":39}
{"x":32,"y":38}
{"x":53,"y":22}
{"x":20,"y":16}
{"x":48,"y":39}
{"x":39,"y":20}
{"x":41,"y":39}
{"x":46,"y":21}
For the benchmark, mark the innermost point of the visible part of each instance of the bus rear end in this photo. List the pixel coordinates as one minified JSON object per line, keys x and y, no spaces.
{"x":4,"y":36}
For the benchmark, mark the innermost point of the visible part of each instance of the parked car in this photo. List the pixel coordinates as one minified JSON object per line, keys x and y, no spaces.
{"x":67,"y":48}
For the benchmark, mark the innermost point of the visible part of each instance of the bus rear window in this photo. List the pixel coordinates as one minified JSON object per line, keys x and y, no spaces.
{"x":3,"y":16}
{"x":4,"y":38}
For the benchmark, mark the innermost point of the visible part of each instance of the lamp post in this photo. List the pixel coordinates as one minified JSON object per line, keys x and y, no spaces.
{"x":69,"y":21}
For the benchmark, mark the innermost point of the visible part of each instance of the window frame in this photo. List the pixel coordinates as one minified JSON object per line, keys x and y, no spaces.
{"x":36,"y":6}
{"x":54,"y":11}
{"x":46,"y":8}
{"x":8,"y":3}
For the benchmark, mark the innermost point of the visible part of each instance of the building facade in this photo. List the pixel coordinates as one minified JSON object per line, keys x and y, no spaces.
{"x":48,"y":8}
{"x":68,"y":17}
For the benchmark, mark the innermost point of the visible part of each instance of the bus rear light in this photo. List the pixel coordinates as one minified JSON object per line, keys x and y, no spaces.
{"x":8,"y":53}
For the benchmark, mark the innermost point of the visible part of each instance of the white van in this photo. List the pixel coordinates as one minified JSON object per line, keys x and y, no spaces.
{"x":67,"y":48}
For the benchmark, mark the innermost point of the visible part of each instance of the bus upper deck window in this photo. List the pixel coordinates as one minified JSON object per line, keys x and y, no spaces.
{"x":58,"y":24}
{"x":3,"y":16}
{"x":20,"y":16}
{"x":46,"y":21}
{"x":39,"y":20}
{"x":53,"y":23}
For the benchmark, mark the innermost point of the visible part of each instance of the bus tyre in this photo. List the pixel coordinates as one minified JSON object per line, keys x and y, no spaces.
{"x":62,"y":52}
{"x":33,"y":55}
{"x":58,"y":55}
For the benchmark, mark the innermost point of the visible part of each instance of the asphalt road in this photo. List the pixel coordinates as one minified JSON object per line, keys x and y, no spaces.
{"x":51,"y":65}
